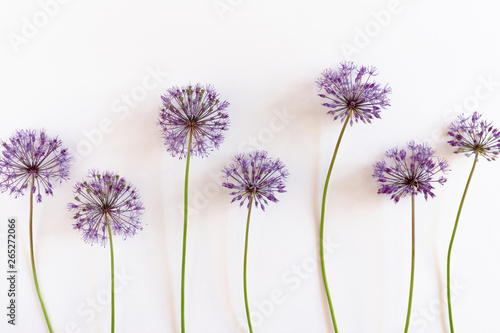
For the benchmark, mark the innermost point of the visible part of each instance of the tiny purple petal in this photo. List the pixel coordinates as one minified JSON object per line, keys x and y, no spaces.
{"x":411,"y":173}
{"x":255,"y":176}
{"x":31,"y":155}
{"x":104,"y":198}
{"x":350,"y":93}
{"x":193,"y":111}
{"x":471,"y":135}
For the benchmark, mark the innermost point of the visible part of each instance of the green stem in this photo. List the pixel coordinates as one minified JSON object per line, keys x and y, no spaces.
{"x":112,"y":277}
{"x":451,"y":244}
{"x":322,"y":224}
{"x":245,"y":266}
{"x":33,"y":259}
{"x":184,"y":238}
{"x":412,"y":261}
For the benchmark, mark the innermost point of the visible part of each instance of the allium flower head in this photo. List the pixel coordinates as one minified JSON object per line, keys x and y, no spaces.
{"x":470,"y":135}
{"x":350,"y":91}
{"x":411,"y":173}
{"x":255,"y":176}
{"x":106,"y":198}
{"x":193,"y":110}
{"x":31,"y":154}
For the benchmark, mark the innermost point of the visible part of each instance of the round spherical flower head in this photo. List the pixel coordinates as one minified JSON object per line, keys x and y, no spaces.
{"x":351,"y":90}
{"x":411,"y":173}
{"x":471,"y":135}
{"x":193,"y":111}
{"x":102,"y":199}
{"x":31,"y":155}
{"x":255,"y":176}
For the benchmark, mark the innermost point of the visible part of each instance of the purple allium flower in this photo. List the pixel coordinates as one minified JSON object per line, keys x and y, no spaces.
{"x":255,"y":176}
{"x":31,"y":154}
{"x":102,"y":199}
{"x":197,"y":111}
{"x":411,"y":173}
{"x":474,"y":136}
{"x":350,"y":91}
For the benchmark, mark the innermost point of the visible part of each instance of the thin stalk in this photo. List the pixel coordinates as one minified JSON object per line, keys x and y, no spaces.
{"x":448,"y":291}
{"x":33,"y":258}
{"x":112,"y":277}
{"x":245,"y":266}
{"x":322,"y":224}
{"x":184,"y":237}
{"x":412,"y":261}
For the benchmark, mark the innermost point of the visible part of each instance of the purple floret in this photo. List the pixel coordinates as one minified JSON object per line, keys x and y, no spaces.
{"x":32,"y":155}
{"x":255,"y":176}
{"x":350,"y":91}
{"x":470,"y":135}
{"x":197,"y":111}
{"x":105,"y":198}
{"x":411,"y":173}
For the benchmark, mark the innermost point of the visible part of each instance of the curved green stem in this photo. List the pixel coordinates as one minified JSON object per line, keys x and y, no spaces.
{"x":112,"y":277}
{"x":322,"y":224}
{"x":184,"y":237}
{"x":412,"y":261}
{"x":448,"y":291}
{"x":33,"y":259}
{"x":245,"y":266}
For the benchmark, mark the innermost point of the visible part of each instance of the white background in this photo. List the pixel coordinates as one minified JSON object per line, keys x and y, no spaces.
{"x":73,"y":71}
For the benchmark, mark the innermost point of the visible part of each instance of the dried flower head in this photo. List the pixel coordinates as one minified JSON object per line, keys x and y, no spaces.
{"x":411,"y":173}
{"x":350,"y":91}
{"x":193,"y":111}
{"x":474,"y":136}
{"x":106,"y":198}
{"x":255,"y":176}
{"x":32,"y":155}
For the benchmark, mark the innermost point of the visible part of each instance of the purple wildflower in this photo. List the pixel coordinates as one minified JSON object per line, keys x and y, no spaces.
{"x":193,"y":110}
{"x":411,"y":174}
{"x":474,"y":136}
{"x":351,"y":92}
{"x":102,"y":199}
{"x":255,"y":176}
{"x":32,"y":156}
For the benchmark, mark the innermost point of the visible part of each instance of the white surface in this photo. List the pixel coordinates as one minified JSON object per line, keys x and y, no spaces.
{"x":75,"y":72}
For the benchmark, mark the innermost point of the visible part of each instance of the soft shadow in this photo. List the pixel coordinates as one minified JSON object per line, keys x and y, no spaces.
{"x":309,"y":124}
